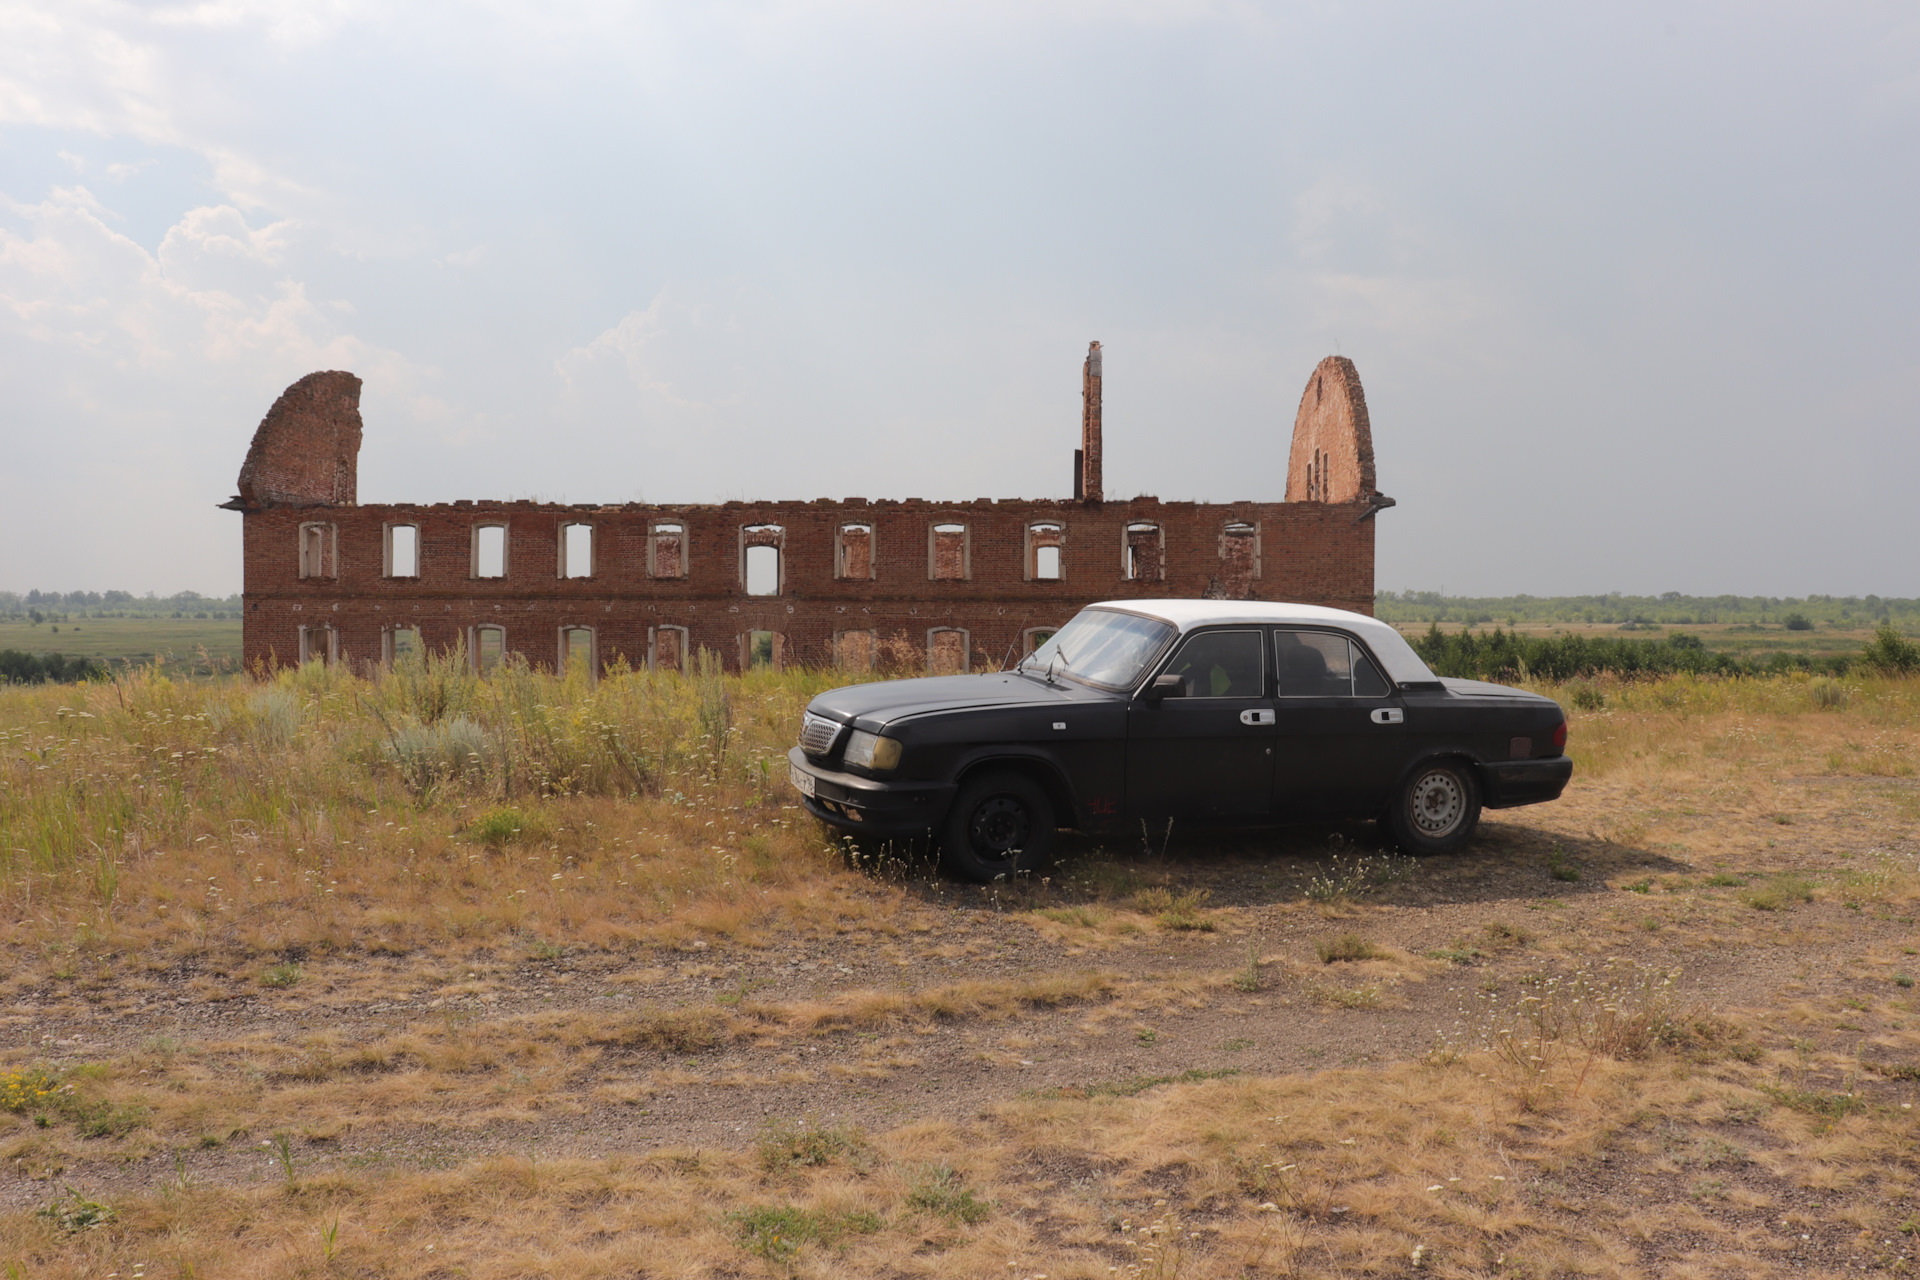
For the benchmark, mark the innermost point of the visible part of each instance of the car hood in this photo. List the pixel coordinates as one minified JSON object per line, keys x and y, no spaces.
{"x":883,"y":702}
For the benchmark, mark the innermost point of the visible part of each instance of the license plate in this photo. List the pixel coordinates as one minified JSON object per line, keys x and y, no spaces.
{"x":802,"y":781}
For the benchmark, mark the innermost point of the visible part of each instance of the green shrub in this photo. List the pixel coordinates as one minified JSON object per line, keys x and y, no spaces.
{"x":940,"y":1191}
{"x":499,"y":826}
{"x":776,"y":1232}
{"x":285,"y":974}
{"x":1890,"y":652}
{"x":429,"y":755}
{"x":797,"y":1144}
{"x":1346,"y":947}
{"x":1779,"y":893}
{"x":1827,"y":693}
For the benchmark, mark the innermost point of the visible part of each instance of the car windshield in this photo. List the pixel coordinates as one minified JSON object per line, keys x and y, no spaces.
{"x":1101,"y":647}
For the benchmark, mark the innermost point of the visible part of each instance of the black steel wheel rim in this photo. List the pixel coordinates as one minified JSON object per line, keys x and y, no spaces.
{"x":998,"y":827}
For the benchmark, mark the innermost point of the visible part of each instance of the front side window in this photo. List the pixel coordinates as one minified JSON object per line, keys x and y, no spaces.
{"x":1318,"y":664}
{"x":1102,"y":647}
{"x":1221,"y":664}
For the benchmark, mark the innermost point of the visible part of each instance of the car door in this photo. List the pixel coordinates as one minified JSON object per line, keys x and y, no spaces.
{"x":1205,"y":754}
{"x":1340,"y":735}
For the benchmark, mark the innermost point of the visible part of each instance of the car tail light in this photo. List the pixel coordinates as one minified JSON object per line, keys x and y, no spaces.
{"x":1560,"y":736}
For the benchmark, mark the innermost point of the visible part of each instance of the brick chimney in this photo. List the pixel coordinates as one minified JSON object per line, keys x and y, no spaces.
{"x":1087,"y":457}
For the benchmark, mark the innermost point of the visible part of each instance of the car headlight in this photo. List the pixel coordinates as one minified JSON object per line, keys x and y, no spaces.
{"x":871,"y":751}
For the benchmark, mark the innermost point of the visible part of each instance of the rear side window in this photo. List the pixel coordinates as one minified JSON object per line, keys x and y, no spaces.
{"x":1315,"y":664}
{"x":1367,"y":680}
{"x":1221,"y":664}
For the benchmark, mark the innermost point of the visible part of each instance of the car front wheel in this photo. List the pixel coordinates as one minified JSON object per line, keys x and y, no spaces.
{"x":1437,"y":808}
{"x":1000,"y":824}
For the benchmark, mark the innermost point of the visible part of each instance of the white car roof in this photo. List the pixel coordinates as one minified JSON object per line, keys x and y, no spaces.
{"x":1396,"y":655}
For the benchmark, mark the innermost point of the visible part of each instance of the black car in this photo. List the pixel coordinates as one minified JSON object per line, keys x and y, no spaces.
{"x":1208,"y":712}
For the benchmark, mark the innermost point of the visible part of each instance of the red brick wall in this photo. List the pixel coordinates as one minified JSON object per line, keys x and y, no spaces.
{"x":1331,"y":458}
{"x":1310,"y":552}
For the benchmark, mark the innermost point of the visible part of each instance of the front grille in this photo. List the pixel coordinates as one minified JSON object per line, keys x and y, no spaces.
{"x":817,"y":734}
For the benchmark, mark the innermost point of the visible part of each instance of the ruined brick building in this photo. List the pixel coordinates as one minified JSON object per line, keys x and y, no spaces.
{"x":828,"y":581}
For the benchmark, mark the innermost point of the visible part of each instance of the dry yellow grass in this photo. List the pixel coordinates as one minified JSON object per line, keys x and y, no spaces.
{"x":287,"y":993}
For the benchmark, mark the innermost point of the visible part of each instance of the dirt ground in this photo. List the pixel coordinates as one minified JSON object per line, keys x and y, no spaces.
{"x":1665,"y":1026}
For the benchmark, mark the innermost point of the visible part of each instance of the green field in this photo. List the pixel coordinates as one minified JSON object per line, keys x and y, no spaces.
{"x":1746,"y":639}
{"x":197,"y":645}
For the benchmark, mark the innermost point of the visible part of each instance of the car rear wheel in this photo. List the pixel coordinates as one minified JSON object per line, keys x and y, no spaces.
{"x":1000,"y":824}
{"x":1436,"y":809}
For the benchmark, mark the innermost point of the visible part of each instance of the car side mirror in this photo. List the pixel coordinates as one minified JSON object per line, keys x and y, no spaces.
{"x":1166,"y":686}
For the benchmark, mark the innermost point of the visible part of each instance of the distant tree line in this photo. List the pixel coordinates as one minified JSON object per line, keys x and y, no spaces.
{"x":1507,"y":655}
{"x":47,"y":668}
{"x":1671,"y":609}
{"x":64,"y":606}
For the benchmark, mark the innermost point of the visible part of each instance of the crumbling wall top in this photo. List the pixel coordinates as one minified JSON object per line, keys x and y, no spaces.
{"x":306,"y":451}
{"x":1332,"y":455}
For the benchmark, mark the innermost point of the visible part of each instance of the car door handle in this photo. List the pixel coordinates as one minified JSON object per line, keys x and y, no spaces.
{"x":1256,"y":717}
{"x":1389,"y":715}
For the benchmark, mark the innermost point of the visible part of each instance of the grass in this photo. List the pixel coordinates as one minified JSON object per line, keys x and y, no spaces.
{"x":193,"y":646}
{"x":1346,"y":947}
{"x":941,"y":1191}
{"x":1779,"y":893}
{"x":434,"y":975}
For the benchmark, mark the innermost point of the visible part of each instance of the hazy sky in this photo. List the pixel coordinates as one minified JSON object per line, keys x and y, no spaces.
{"x":1632,"y":288}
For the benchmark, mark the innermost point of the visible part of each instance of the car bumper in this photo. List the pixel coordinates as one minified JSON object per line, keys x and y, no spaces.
{"x":1508,"y":783}
{"x":854,"y":803}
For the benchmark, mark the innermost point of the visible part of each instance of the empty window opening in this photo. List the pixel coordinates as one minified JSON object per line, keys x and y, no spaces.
{"x":669,"y":651}
{"x":1044,"y":545}
{"x":577,"y":652}
{"x":761,"y":546}
{"x":319,"y":644}
{"x":667,"y":549}
{"x":853,"y":551}
{"x":489,"y":648}
{"x":853,"y":650}
{"x":576,"y":551}
{"x":319,"y":551}
{"x":1239,"y":554}
{"x":763,"y":649}
{"x":403,"y":551}
{"x":1033,"y":637}
{"x":402,"y":644}
{"x":947,"y":651}
{"x":947,"y":552}
{"x":490,"y":551}
{"x":1144,"y":552}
